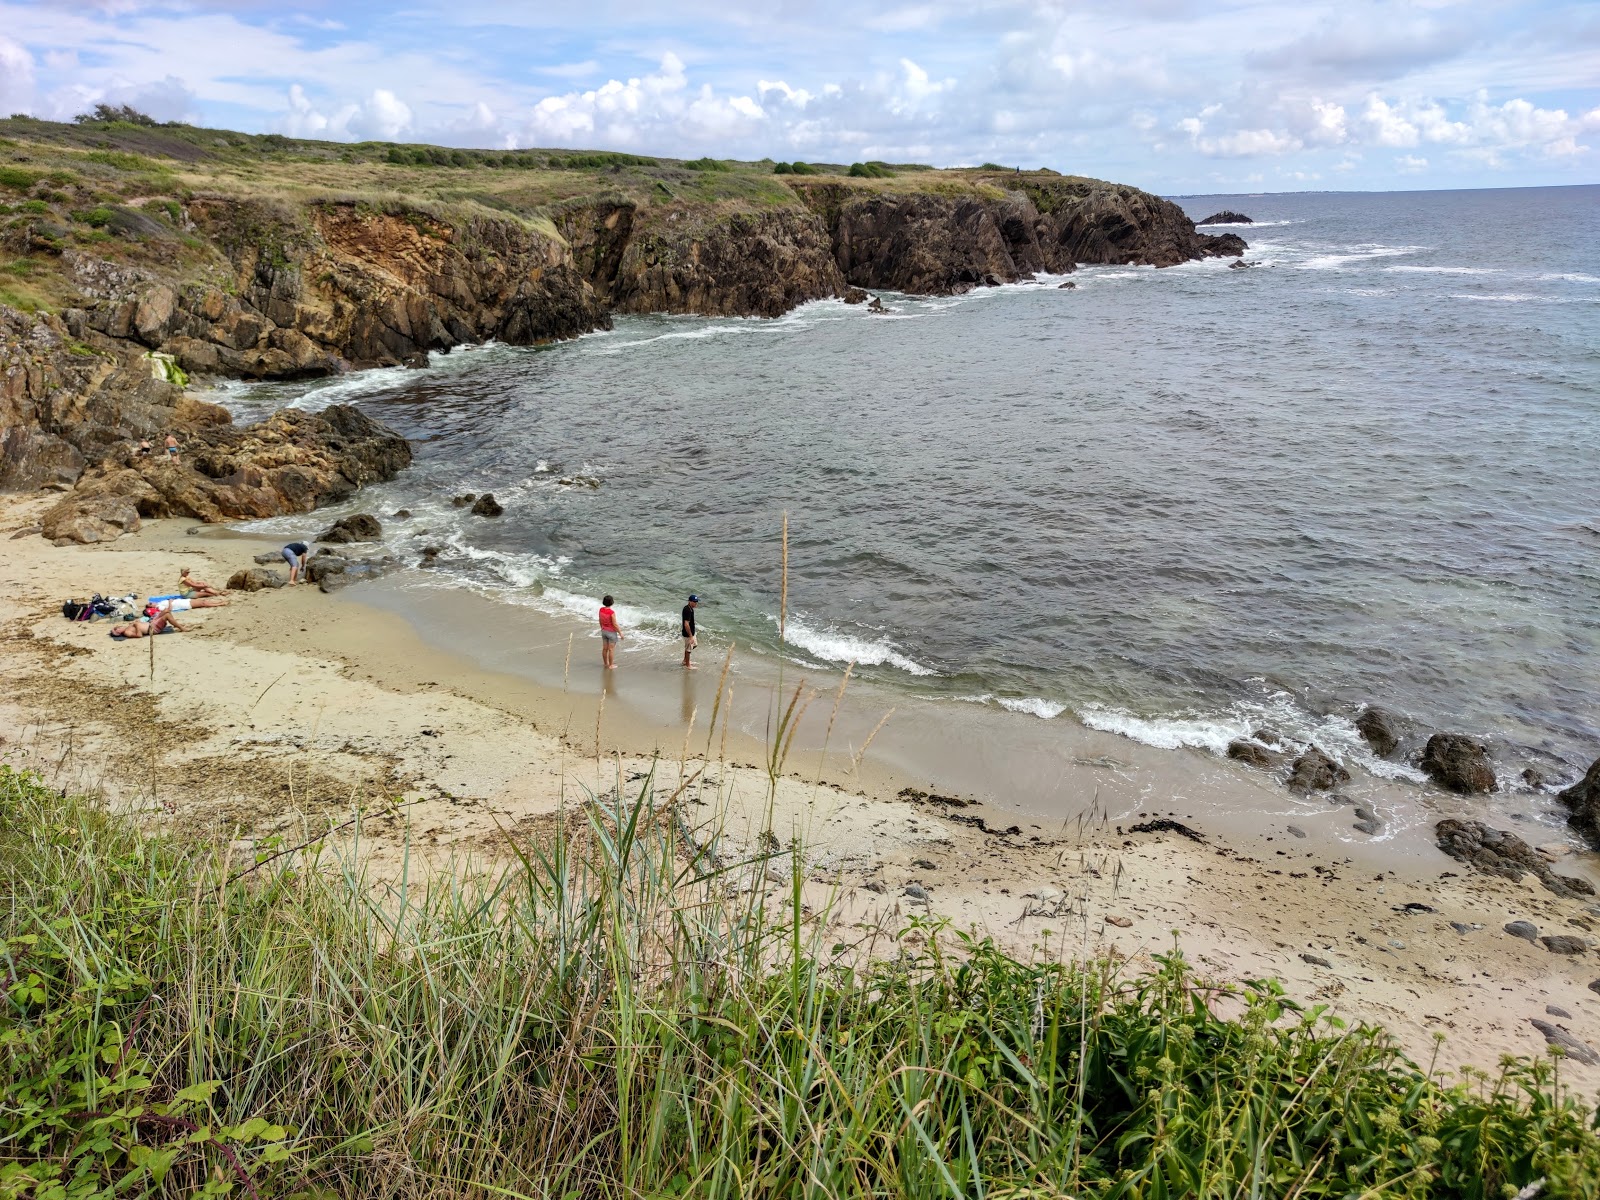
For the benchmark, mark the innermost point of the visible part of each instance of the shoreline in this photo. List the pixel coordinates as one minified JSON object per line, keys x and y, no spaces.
{"x":289,"y":708}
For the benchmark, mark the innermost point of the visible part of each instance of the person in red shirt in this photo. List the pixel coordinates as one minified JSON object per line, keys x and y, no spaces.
{"x":610,"y":633}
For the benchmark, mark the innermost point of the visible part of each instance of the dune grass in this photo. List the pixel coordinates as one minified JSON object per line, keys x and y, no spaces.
{"x":608,"y":1014}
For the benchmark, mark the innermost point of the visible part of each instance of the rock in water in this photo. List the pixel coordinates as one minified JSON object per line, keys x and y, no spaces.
{"x":854,"y":295}
{"x":1068,"y":286}
{"x":1554,"y":1035}
{"x":360,"y":527}
{"x":1253,"y":755}
{"x":1226,"y":217}
{"x":253,"y":579}
{"x":1378,"y":727}
{"x":1459,"y":763}
{"x":487,"y":506}
{"x":1582,"y":801}
{"x":1315,"y":771}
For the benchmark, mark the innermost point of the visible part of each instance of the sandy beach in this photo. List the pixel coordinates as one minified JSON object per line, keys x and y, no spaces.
{"x":289,"y":711}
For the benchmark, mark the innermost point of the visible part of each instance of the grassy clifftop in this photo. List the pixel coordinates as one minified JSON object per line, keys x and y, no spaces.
{"x":118,"y":189}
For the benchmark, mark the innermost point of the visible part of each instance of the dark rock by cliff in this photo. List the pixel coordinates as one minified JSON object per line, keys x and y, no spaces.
{"x":1226,"y":217}
{"x":1582,"y":801}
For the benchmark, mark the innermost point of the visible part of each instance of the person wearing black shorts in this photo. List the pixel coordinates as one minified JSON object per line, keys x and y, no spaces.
{"x":688,"y":631}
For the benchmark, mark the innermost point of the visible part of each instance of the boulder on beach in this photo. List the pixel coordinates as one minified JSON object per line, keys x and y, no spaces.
{"x":358,"y":527}
{"x":1380,"y":728}
{"x":1315,"y":771}
{"x":1226,"y":217}
{"x":1572,"y":1047}
{"x":1459,"y":764}
{"x":254,"y":579}
{"x":1582,"y":802}
{"x":1498,"y":852}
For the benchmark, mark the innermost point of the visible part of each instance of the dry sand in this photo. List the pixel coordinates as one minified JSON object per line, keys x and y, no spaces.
{"x":289,"y":711}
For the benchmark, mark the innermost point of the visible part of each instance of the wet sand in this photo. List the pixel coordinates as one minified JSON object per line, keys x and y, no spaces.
{"x":446,"y":723}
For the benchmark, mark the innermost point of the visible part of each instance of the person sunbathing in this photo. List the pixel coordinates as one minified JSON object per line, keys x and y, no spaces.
{"x":161,"y":623}
{"x":198,"y":587}
{"x":172,"y":604}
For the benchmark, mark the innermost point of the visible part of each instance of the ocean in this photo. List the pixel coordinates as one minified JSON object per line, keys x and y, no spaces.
{"x":1173,"y":504}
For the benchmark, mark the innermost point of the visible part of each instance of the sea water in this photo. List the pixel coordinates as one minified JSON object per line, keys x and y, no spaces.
{"x":1174,"y":504}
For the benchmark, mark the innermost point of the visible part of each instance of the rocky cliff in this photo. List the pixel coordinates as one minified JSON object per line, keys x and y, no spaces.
{"x":330,"y":286}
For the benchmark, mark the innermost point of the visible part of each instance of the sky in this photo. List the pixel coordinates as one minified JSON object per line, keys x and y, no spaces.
{"x":1177,"y":96}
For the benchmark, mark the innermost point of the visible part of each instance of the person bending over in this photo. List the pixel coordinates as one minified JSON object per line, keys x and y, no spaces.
{"x":295,"y":555}
{"x":610,"y":633}
{"x":162,"y":622}
{"x":198,"y":587}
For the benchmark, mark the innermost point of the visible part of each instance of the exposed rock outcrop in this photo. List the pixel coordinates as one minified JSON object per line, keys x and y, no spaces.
{"x":1226,"y":217}
{"x":1458,"y":763}
{"x":331,"y":285}
{"x":1582,"y":801}
{"x":290,"y":463}
{"x":1497,"y":852}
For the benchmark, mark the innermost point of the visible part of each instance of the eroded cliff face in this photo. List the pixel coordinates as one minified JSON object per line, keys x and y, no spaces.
{"x":318,"y":290}
{"x":933,"y":243}
{"x":680,"y":259}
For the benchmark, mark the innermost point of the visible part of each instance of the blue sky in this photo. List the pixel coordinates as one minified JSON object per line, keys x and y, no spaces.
{"x":1173,"y":95}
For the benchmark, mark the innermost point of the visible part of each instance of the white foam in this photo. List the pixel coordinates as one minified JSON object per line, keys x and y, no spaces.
{"x":1212,"y":732}
{"x":1411,"y":269}
{"x":1356,"y":254}
{"x":1506,"y":298}
{"x":1045,"y":710}
{"x":830,"y":645}
{"x":1166,"y":733}
{"x":1572,"y":277}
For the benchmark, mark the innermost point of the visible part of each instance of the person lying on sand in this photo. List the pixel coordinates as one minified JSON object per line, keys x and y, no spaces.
{"x":160,"y":623}
{"x":172,"y":604}
{"x":198,"y":587}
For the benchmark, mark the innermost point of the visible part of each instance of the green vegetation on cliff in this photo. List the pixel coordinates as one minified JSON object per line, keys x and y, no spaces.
{"x":613,"y":1015}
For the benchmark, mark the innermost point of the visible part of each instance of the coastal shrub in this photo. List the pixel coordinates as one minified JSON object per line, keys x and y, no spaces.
{"x":18,"y":178}
{"x":870,"y":170}
{"x":95,"y":217}
{"x":33,"y":206}
{"x":707,"y":164}
{"x":124,"y":114}
{"x":619,"y":1012}
{"x":794,"y":168}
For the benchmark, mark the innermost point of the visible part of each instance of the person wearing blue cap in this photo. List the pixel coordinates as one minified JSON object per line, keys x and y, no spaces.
{"x":688,"y":631}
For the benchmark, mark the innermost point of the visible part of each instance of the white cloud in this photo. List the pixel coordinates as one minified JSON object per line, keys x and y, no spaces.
{"x":1410,"y":164}
{"x":381,"y":116}
{"x":16,"y":78}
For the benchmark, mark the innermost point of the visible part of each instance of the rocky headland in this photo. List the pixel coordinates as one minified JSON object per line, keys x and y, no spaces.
{"x":138,"y":258}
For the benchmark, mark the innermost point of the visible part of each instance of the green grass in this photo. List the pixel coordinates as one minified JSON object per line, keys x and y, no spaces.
{"x":611,"y":1015}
